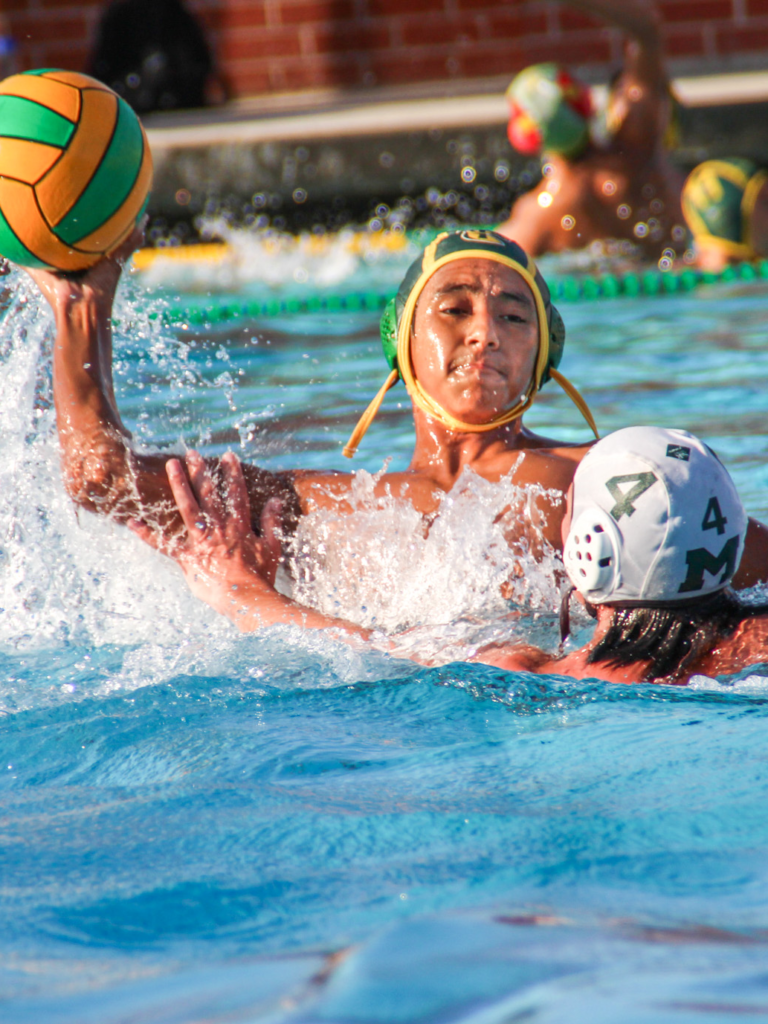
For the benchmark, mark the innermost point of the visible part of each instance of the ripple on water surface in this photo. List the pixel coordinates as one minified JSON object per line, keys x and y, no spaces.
{"x":193,"y":822}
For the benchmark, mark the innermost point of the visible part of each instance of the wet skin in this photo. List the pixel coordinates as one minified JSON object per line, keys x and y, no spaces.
{"x":474,"y":344}
{"x":474,"y":341}
{"x":602,"y":196}
{"x":747,"y":645}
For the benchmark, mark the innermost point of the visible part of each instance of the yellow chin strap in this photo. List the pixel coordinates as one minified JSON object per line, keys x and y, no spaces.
{"x":424,"y":401}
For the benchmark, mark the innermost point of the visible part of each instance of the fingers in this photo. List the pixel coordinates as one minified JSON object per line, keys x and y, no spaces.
{"x":145,"y":533}
{"x":47,"y":282}
{"x":134,"y":241}
{"x":236,"y":491}
{"x":204,"y":488}
{"x":270,"y":544}
{"x":183,"y":495}
{"x":271,"y":519}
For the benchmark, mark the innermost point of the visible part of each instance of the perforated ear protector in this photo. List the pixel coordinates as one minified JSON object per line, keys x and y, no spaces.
{"x":592,"y":554}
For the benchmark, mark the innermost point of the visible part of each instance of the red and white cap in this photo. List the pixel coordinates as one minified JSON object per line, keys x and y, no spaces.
{"x":656,"y":518}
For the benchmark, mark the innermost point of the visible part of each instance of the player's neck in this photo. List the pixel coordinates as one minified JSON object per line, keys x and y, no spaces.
{"x":577,"y":664}
{"x":445,"y":453}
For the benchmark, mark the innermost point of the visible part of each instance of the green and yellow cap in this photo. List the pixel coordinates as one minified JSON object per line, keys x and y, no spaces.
{"x":718,"y":199}
{"x":397,"y":320}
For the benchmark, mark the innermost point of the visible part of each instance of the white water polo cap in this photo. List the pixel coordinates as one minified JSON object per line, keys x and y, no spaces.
{"x":656,"y":519}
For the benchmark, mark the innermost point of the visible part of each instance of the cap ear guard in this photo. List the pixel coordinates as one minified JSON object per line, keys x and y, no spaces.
{"x":592,"y":554}
{"x":556,"y":342}
{"x":388,"y":330}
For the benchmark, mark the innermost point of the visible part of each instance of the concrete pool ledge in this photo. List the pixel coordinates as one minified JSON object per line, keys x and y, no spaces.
{"x":357,"y":148}
{"x":251,"y":121}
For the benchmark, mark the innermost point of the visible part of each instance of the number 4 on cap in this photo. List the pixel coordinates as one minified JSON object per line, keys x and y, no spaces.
{"x":714,"y":518}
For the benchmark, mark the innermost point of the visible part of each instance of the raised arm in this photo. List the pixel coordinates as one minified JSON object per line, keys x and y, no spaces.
{"x":102,"y":471}
{"x":638,"y":18}
{"x":639,"y":102}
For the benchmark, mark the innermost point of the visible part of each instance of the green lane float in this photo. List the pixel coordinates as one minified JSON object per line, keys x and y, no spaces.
{"x":565,"y":288}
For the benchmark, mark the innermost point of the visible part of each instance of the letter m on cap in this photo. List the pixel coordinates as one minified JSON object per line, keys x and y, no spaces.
{"x":700,"y":561}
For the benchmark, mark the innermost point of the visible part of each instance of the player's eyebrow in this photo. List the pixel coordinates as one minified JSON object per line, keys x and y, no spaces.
{"x":518,"y":297}
{"x":449,"y":289}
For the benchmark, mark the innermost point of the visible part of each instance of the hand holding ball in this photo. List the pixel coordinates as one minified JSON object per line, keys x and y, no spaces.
{"x":75,"y":170}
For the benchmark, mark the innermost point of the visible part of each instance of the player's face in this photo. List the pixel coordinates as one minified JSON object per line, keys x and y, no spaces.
{"x":475,"y":338}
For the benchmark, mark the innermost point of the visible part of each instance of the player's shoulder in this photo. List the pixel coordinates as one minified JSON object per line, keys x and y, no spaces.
{"x":321,"y":488}
{"x":551,"y":464}
{"x":547,"y":449}
{"x":747,"y":644}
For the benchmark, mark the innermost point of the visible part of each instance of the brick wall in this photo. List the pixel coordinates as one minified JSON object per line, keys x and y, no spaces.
{"x":268,"y":46}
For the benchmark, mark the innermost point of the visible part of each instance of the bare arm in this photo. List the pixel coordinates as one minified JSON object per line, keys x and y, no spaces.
{"x":102,"y":472}
{"x":529,"y":224}
{"x":753,"y":568}
{"x":233,"y":571}
{"x":639,"y":103}
{"x":638,"y":18}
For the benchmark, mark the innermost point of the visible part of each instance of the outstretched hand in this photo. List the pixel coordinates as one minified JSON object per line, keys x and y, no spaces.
{"x":219,"y":554}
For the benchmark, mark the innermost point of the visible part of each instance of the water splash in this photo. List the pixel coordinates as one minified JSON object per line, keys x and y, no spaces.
{"x":387,"y":567}
{"x":65,"y":577}
{"x":285,"y":263}
{"x":72,"y":580}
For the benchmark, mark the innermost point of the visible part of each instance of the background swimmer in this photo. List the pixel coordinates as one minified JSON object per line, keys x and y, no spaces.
{"x":725,"y":204}
{"x":613,"y":183}
{"x":654,"y":539}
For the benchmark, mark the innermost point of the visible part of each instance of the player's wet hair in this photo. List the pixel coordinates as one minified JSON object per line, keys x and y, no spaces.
{"x":670,"y":638}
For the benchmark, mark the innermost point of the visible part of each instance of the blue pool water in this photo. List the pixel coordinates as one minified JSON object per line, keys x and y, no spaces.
{"x":201,"y":826}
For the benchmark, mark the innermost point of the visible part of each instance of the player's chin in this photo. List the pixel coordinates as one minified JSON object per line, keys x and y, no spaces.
{"x":480,"y":404}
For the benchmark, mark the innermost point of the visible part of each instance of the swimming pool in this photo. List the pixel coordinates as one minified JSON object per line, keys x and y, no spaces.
{"x":202,"y":826}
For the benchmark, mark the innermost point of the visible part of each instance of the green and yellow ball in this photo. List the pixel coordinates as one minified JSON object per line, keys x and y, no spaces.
{"x":75,"y":170}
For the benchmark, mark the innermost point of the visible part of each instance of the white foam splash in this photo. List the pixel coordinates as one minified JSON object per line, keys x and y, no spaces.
{"x":753,"y":684}
{"x":285,"y":262}
{"x":386,"y":567}
{"x":64,"y":576}
{"x":76,"y":579}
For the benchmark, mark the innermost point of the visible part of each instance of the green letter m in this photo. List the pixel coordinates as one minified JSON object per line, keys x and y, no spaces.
{"x":700,"y":560}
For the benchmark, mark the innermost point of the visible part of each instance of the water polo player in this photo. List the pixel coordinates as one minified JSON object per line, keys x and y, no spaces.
{"x":473,"y":334}
{"x":606,"y":176}
{"x":725,"y":204}
{"x":654,"y":539}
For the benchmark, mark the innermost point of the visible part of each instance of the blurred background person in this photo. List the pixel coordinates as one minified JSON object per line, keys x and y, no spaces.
{"x":606,"y":175}
{"x":154,"y":54}
{"x":725,"y":204}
